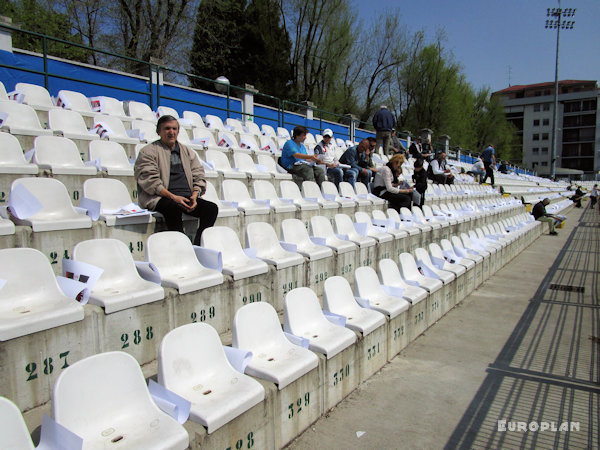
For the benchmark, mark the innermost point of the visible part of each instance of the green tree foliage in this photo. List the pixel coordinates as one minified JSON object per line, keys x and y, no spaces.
{"x":245,"y":42}
{"x":34,"y":15}
{"x":323,"y":34}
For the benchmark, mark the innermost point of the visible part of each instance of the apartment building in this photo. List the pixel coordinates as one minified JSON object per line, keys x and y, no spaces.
{"x":531,"y":109}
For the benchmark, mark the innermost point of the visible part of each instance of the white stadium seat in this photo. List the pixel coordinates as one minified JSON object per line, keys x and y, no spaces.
{"x":303,"y":317}
{"x":118,"y":411}
{"x":25,"y":310}
{"x":256,"y":328}
{"x":173,"y":255}
{"x":61,"y":156}
{"x":191,"y":356}
{"x":120,"y":286}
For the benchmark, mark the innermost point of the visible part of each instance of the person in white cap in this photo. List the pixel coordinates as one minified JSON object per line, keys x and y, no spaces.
{"x":325,"y":151}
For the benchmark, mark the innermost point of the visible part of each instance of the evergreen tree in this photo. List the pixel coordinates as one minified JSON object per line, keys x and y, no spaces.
{"x":32,"y":15}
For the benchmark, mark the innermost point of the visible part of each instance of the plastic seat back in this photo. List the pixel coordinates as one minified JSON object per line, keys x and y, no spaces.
{"x":303,"y":317}
{"x":69,"y":122}
{"x":21,"y":117}
{"x":219,"y":159}
{"x":283,"y":133}
{"x":264,"y":190}
{"x":289,"y":189}
{"x":52,"y":194}
{"x":252,"y":128}
{"x":35,"y":96}
{"x":147,"y":130}
{"x":24,"y":309}
{"x":234,"y":124}
{"x":110,"y":192}
{"x":204,"y":136}
{"x":214,"y":122}
{"x":244,"y":162}
{"x":112,"y":157}
{"x":12,"y":159}
{"x":173,"y":255}
{"x":58,"y":153}
{"x":141,"y":111}
{"x":329,"y":188}
{"x":166,"y":111}
{"x":194,"y":118}
{"x":75,"y":101}
{"x":13,"y":430}
{"x":310,"y":189}
{"x":121,"y":404}
{"x":347,"y":190}
{"x":3,"y":93}
{"x":110,"y":106}
{"x":268,"y":130}
{"x":117,"y":129}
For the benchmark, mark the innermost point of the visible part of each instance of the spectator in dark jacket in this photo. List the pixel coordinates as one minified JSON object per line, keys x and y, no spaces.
{"x":384,"y":122}
{"x":540,"y":214}
{"x":356,"y":158}
{"x":420,"y":179}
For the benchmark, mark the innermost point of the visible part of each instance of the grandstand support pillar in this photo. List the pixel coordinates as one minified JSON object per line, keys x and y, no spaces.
{"x":6,"y":34}
{"x":309,"y":109}
{"x":406,"y":134}
{"x":247,"y":97}
{"x":445,"y":142}
{"x":352,"y":120}
{"x":156,"y":80}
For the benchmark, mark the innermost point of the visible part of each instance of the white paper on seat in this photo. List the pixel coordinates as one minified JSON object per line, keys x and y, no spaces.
{"x":251,"y":252}
{"x":17,"y":95}
{"x":22,"y":202}
{"x":94,"y":163}
{"x":201,"y":140}
{"x":91,"y":207}
{"x":82,"y":272}
{"x":225,"y":141}
{"x":231,"y":204}
{"x":361,"y":228}
{"x":53,"y":435}
{"x":426,"y":271}
{"x":135,"y":134}
{"x":265,"y":202}
{"x":318,"y":240}
{"x":102,"y":129}
{"x":329,"y":197}
{"x":2,"y":282}
{"x":169,"y":402}
{"x":394,"y":291}
{"x":438,"y":262}
{"x":343,"y":237}
{"x":297,"y":340}
{"x":412,"y":283}
{"x":363,"y":302}
{"x":344,"y":166}
{"x":74,"y":289}
{"x":261,"y":168}
{"x":63,"y":102}
{"x":237,"y":357}
{"x":131,"y":209}
{"x":335,"y":319}
{"x":213,"y":259}
{"x":289,"y":246}
{"x":29,"y":154}
{"x":148,"y":271}
{"x":449,"y":256}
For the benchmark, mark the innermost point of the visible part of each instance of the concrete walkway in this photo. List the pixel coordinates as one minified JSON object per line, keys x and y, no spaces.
{"x":524,"y":347}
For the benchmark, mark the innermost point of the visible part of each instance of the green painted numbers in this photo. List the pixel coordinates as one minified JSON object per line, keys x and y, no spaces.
{"x":339,"y":375}
{"x":138,"y":336}
{"x":2,"y":197}
{"x":139,"y":246}
{"x":320,"y":277}
{"x":252,"y":298}
{"x":53,"y":256}
{"x":366,"y":262}
{"x":372,"y":351}
{"x":398,"y":332}
{"x":296,"y":408}
{"x":420,"y":317}
{"x":347,"y":269}
{"x":201,"y":316}
{"x":287,"y":287}
{"x":239,"y":444}
{"x":47,"y":366}
{"x":435,"y":305}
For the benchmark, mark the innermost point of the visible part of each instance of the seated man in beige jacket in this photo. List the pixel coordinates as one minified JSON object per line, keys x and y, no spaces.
{"x":171,"y":180}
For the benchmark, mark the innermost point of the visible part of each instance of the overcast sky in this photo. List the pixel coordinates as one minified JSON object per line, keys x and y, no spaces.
{"x":488,"y":37}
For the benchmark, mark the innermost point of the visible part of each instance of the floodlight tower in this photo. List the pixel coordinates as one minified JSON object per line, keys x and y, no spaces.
{"x":554,"y":22}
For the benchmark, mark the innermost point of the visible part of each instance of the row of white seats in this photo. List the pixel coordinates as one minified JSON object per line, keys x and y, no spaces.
{"x":338,"y":300}
{"x":39,"y":98}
